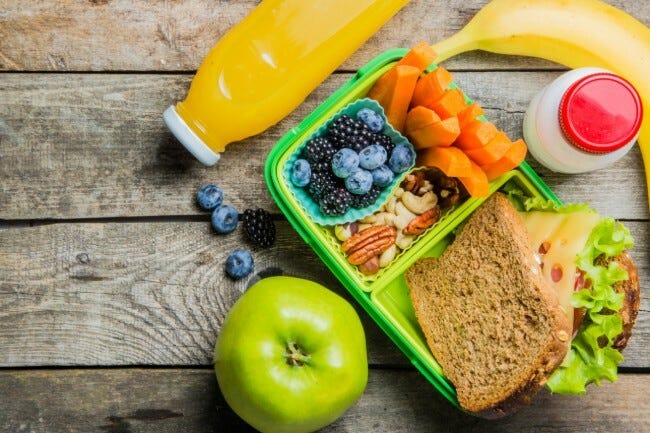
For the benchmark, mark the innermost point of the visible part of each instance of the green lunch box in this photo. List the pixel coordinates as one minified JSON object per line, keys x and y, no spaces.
{"x":385,"y":298}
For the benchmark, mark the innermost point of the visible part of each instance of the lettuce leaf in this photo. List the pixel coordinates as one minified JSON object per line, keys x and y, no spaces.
{"x":586,"y":362}
{"x":515,"y":194}
{"x":591,"y":357}
{"x":538,"y":203}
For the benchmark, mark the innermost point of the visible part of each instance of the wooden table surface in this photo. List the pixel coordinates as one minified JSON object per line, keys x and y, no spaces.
{"x":112,"y":289}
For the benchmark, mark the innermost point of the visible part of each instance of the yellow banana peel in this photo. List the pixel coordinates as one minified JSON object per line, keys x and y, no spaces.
{"x":574,"y":33}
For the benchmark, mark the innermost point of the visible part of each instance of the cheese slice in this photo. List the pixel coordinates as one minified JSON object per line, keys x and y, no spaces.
{"x":559,"y":238}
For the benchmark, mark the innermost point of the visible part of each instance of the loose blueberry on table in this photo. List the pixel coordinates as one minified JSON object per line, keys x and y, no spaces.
{"x":239,"y":264}
{"x":209,"y":196}
{"x":225,"y":219}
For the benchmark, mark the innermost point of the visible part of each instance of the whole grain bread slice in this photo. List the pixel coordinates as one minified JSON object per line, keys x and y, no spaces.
{"x":490,"y":319}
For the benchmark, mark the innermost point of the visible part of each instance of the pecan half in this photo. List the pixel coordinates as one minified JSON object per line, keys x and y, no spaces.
{"x":419,"y":224}
{"x":368,"y":243}
{"x":363,"y":237}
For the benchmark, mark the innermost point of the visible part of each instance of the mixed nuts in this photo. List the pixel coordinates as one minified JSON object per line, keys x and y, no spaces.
{"x":416,"y":205}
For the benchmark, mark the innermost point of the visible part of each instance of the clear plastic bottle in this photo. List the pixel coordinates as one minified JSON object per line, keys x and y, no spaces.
{"x":585,"y":120}
{"x":266,"y":65}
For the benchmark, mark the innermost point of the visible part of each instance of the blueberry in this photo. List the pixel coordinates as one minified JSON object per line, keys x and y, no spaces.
{"x":209,"y":196}
{"x":345,"y":162}
{"x":372,"y":157}
{"x":301,"y":172}
{"x":371,"y":119}
{"x":359,"y":182}
{"x":239,"y":264}
{"x":401,"y":159}
{"x":382,"y":176}
{"x":225,"y":219}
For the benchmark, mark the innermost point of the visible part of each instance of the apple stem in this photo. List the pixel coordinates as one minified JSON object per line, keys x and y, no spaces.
{"x":295,"y":355}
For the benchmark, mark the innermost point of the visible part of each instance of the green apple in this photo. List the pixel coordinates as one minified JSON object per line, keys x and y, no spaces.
{"x":291,"y":356}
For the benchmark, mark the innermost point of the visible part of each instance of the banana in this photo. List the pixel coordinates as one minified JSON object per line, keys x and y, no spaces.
{"x":574,"y":33}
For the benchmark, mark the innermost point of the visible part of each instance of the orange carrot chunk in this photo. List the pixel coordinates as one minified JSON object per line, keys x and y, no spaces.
{"x":491,"y":152}
{"x":420,"y":56}
{"x":451,"y":160}
{"x":441,"y":133}
{"x":430,"y":87}
{"x":469,"y":113}
{"x":476,"y":134}
{"x":419,"y":117}
{"x":511,"y":159}
{"x":449,"y":104}
{"x":476,"y":183}
{"x":393,"y":91}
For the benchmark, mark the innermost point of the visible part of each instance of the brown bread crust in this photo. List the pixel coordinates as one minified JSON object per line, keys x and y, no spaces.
{"x":632,"y":299}
{"x":448,"y":294}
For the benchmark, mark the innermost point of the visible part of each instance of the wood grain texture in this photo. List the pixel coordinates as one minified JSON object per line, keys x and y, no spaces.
{"x":171,"y":400}
{"x":140,"y":35}
{"x":130,"y":294}
{"x":156,"y":293}
{"x":94,"y":145}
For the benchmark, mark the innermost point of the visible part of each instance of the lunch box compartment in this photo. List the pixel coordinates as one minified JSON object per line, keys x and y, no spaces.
{"x":384,"y":297}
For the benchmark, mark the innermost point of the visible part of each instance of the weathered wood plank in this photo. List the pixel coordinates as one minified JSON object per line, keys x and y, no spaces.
{"x":94,"y":145}
{"x":156,"y":293}
{"x":174,"y":36}
{"x":119,"y":294}
{"x":169,"y":400}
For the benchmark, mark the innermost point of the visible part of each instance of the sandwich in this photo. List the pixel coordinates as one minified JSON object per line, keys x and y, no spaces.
{"x":529,"y":294}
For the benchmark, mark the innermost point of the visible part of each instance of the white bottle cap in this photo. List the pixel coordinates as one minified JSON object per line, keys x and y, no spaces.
{"x":188,"y":138}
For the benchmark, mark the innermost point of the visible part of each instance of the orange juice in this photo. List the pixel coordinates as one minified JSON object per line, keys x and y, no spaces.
{"x":266,"y":65}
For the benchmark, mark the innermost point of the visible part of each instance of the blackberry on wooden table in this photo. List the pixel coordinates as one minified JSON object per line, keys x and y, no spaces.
{"x":259,"y":227}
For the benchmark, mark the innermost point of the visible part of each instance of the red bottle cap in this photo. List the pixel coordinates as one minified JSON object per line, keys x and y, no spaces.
{"x":600,"y":113}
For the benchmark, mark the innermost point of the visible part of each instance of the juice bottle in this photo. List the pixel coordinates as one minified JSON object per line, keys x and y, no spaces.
{"x":266,"y":65}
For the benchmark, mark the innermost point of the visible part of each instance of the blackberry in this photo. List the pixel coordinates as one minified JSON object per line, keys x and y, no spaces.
{"x":384,"y":141}
{"x":365,"y":200}
{"x":360,"y":140}
{"x":348,"y":132}
{"x":259,"y":227}
{"x":339,"y":130}
{"x":320,"y":184}
{"x":321,"y":166}
{"x":336,"y":202}
{"x":318,"y":149}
